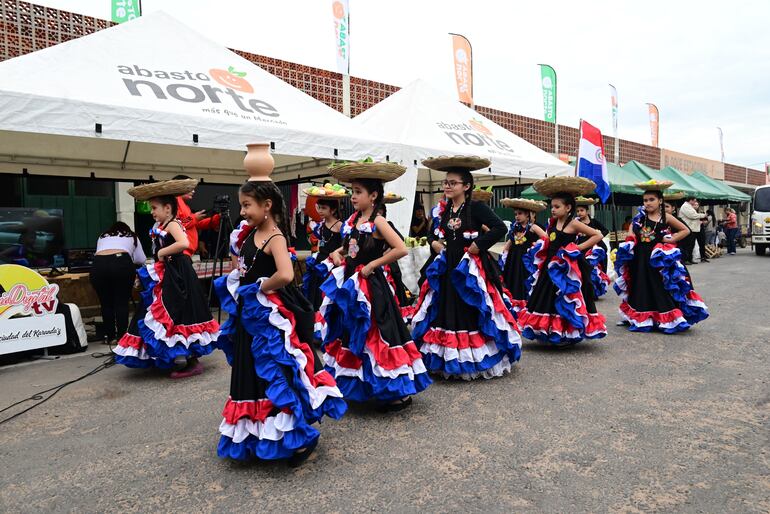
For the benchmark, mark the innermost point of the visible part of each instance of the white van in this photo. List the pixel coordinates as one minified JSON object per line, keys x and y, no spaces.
{"x":760,"y":220}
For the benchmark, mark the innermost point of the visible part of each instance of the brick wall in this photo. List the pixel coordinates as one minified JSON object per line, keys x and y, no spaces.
{"x":26,"y":27}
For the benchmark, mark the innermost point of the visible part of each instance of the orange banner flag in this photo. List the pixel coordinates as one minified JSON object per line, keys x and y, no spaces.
{"x":463,"y":59}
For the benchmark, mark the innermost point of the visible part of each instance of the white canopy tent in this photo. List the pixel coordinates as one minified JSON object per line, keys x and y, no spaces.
{"x":154,"y":98}
{"x":428,"y":123}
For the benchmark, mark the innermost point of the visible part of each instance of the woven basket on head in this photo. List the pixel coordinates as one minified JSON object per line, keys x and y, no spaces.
{"x":346,"y":194}
{"x":481,"y":196}
{"x":678,"y":195}
{"x":164,"y":188}
{"x":576,"y":186}
{"x":582,"y":201}
{"x":456,"y":163}
{"x":524,"y":204}
{"x":393,"y":198}
{"x":384,"y":171}
{"x":654,"y":185}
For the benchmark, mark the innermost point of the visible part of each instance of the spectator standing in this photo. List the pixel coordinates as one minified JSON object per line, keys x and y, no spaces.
{"x":692,"y":218}
{"x":193,"y":221}
{"x":118,"y":252}
{"x":419,"y":225}
{"x":731,"y":229}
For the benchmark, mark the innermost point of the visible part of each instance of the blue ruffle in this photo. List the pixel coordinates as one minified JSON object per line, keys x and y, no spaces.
{"x":597,"y":257}
{"x":468,"y":289}
{"x":433,"y":275}
{"x":227,"y":329}
{"x":623,"y":257}
{"x":254,"y":448}
{"x":676,"y":282}
{"x":437,"y":364}
{"x":307,"y":277}
{"x":348,"y":315}
{"x":528,"y":259}
{"x":133,"y":362}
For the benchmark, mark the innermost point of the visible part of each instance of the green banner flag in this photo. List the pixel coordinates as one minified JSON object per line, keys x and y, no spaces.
{"x":548,"y":79}
{"x":125,"y":10}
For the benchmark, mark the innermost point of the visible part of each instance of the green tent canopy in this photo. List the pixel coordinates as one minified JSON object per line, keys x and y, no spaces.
{"x":622,"y":181}
{"x":703,"y":191}
{"x":729,"y":193}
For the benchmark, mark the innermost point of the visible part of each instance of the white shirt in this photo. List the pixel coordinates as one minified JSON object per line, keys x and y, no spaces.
{"x":122,"y":243}
{"x":691,"y":217}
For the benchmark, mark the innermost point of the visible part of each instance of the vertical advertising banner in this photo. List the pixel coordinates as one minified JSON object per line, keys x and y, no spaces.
{"x":548,"y":81}
{"x":125,"y":10}
{"x":654,"y":123}
{"x":614,"y":95}
{"x":341,"y":11}
{"x":463,"y":59}
{"x":721,"y":143}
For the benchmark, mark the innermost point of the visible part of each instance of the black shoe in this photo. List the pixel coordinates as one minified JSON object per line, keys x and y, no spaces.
{"x":705,"y":260}
{"x":400,"y":405}
{"x":301,"y":455}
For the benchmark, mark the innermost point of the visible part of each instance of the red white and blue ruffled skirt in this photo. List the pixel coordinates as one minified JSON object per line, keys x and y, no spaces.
{"x":596,"y":257}
{"x":560,"y":309}
{"x":172,"y":320}
{"x":278,"y":386}
{"x":366,"y":344}
{"x":464,"y":320}
{"x":656,"y":289}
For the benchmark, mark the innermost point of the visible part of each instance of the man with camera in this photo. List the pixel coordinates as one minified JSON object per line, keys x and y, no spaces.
{"x":193,"y":221}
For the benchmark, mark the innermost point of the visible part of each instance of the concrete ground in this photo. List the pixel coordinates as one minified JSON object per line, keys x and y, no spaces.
{"x":633,"y":423}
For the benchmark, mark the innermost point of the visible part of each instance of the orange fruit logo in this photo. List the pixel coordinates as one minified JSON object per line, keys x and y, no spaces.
{"x":479,"y":127}
{"x":232,"y":79}
{"x":339,"y":10}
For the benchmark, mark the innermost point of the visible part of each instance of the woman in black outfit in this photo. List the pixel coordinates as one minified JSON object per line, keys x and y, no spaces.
{"x":118,"y":252}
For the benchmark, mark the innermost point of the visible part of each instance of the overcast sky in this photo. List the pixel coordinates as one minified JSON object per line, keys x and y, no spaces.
{"x":704,"y":63}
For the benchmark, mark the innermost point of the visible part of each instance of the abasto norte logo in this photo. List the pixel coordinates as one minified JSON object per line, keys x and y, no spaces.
{"x":225,"y":92}
{"x":24,"y":292}
{"x":473,"y":133}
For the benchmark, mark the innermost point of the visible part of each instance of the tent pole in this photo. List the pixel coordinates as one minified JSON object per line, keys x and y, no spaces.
{"x":614,"y":222}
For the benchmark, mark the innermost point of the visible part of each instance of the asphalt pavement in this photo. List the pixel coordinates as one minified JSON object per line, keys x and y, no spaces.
{"x":631,"y":423}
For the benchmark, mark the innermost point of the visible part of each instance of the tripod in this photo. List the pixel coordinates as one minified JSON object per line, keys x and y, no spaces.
{"x":224,"y":223}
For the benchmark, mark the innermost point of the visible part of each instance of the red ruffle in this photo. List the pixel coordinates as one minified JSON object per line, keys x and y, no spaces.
{"x":255,"y":410}
{"x":460,"y":340}
{"x":692,"y":295}
{"x":546,"y":323}
{"x":131,"y":341}
{"x":322,"y":378}
{"x":342,"y":355}
{"x":639,"y":317}
{"x":160,"y":314}
{"x":408,"y":312}
{"x":518,"y":305}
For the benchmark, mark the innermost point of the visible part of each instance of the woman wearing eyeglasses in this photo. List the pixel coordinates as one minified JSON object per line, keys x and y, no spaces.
{"x":464,"y":322}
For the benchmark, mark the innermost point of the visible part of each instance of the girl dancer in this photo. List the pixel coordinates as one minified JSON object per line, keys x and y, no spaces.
{"x":464,"y":320}
{"x":561,"y":309}
{"x":654,"y":285}
{"x":278,"y":387}
{"x":327,"y":231}
{"x":596,"y":256}
{"x":173,"y":325}
{"x":367,"y":345}
{"x":515,"y":260}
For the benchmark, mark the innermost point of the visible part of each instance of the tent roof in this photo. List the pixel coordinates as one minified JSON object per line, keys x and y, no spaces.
{"x":431,"y":123}
{"x":728,"y":192}
{"x":155,"y":81}
{"x":704,"y":191}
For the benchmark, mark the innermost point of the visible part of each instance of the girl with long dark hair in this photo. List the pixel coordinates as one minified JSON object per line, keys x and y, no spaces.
{"x":278,"y":387}
{"x":327,"y":231}
{"x":653,"y":284}
{"x":367,"y":345}
{"x":173,"y":326}
{"x":464,"y":320}
{"x":112,"y":276}
{"x":560,"y":309}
